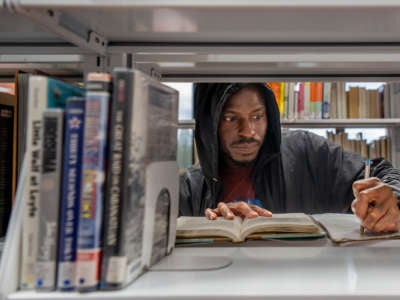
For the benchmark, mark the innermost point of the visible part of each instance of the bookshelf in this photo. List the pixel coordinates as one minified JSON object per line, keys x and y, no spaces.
{"x":273,"y":40}
{"x":217,"y":40}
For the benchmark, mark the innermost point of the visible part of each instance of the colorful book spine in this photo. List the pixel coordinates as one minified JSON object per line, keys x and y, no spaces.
{"x":316,"y":94}
{"x":114,"y":261}
{"x":282,"y":103}
{"x":300,"y":102}
{"x":93,"y":177}
{"x":326,"y":103}
{"x":70,"y":193}
{"x":306,"y":101}
{"x":49,"y":199}
{"x":43,"y":93}
{"x":276,"y":89}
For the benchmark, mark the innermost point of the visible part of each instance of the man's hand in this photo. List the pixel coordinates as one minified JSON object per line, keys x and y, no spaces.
{"x":232,"y":209}
{"x":375,"y":205}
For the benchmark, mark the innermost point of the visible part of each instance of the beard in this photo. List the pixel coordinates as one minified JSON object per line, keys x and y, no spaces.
{"x":239,"y":163}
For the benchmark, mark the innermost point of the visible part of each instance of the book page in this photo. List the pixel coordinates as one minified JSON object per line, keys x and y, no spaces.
{"x":280,"y":223}
{"x":343,"y":228}
{"x":190,"y":227}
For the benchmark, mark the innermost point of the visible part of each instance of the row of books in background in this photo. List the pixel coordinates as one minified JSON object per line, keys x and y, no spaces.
{"x":331,"y":100}
{"x":101,"y":201}
{"x":373,"y":149}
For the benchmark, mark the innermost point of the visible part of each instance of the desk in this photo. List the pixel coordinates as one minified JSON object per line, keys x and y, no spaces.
{"x":269,"y":270}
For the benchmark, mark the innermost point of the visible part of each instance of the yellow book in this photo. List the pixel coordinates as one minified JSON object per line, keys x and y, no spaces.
{"x":282,"y":100}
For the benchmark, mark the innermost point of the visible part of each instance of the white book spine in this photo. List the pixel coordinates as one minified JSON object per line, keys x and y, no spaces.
{"x":37,"y":96}
{"x":49,"y":200}
{"x":307,"y":108}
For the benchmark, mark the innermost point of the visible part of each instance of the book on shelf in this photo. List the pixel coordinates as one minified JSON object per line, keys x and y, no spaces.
{"x":185,"y":148}
{"x":98,"y":89}
{"x":142,"y":188}
{"x":43,"y":93}
{"x":7,"y":87}
{"x":316,"y":97}
{"x":21,"y":82}
{"x":287,"y":225}
{"x":345,"y":228}
{"x":306,"y":113}
{"x":70,"y":192}
{"x":50,"y":181}
{"x":330,"y":100}
{"x":115,"y":258}
{"x":374,"y":149}
{"x":326,"y":100}
{"x":8,"y":155}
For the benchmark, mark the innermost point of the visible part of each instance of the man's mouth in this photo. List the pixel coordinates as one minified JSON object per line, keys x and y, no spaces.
{"x":245,"y":148}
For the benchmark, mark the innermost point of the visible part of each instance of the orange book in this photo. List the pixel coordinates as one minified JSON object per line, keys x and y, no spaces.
{"x":276,"y":89}
{"x":7,"y":87}
{"x":316,"y":95}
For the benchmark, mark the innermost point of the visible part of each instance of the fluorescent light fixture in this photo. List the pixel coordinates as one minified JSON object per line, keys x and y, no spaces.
{"x":176,"y":64}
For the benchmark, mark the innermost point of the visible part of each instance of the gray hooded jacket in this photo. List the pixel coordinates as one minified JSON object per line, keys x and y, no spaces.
{"x":295,"y":171}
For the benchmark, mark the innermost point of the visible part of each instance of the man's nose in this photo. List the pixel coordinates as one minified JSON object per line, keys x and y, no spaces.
{"x":246,"y":128}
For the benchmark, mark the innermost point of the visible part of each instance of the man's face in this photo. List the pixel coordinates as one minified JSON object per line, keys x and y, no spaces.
{"x":242,"y":127}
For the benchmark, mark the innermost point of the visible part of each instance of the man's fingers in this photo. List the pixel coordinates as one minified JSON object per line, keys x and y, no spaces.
{"x":210,"y":214}
{"x":353,"y":206}
{"x":225,"y":211}
{"x":387,"y":223}
{"x":384,"y":225}
{"x":261,"y":211}
{"x":382,"y":218}
{"x":363,"y":184}
{"x":230,"y":210}
{"x":361,"y":205}
{"x":374,"y":196}
{"x":243,"y":209}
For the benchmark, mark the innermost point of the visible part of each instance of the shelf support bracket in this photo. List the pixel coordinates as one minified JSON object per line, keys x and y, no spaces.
{"x":66,"y":27}
{"x":99,"y":63}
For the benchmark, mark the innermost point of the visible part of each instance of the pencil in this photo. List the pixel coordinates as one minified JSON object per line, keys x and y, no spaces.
{"x":367,"y":171}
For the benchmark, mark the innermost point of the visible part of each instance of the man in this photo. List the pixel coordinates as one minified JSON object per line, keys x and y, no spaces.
{"x":249,"y":168}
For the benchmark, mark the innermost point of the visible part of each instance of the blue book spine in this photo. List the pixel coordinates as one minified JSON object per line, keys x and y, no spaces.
{"x":70,"y":193}
{"x":93,"y":182}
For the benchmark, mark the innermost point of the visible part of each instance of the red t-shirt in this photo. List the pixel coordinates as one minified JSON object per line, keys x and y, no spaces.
{"x":237,"y":185}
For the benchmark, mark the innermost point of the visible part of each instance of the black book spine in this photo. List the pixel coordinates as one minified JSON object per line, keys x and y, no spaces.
{"x":114,"y":263}
{"x":6,"y":165}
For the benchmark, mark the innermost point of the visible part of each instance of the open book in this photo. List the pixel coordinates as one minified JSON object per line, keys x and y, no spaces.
{"x":345,"y":228}
{"x":291,"y":225}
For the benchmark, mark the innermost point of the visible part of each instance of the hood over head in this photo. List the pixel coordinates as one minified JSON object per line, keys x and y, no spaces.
{"x":210,"y":99}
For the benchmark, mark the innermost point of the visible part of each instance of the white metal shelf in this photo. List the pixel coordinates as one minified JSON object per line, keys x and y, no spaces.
{"x":272,"y":271}
{"x":218,"y":40}
{"x":325,"y":123}
{"x":211,"y":3}
{"x":342,"y":123}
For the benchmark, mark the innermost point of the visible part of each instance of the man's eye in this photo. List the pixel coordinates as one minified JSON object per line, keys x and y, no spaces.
{"x":230,"y":119}
{"x":258,"y":117}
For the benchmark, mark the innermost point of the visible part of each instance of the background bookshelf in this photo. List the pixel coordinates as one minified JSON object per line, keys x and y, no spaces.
{"x":332,"y":40}
{"x":363,"y":130}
